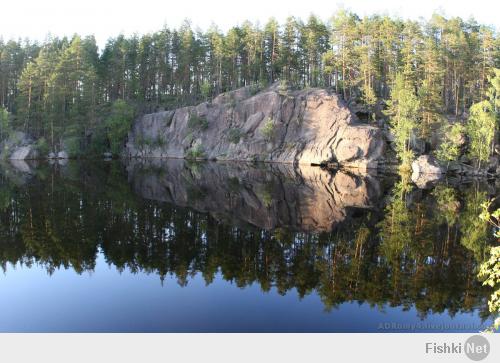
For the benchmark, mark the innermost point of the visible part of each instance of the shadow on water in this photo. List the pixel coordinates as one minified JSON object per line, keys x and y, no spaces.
{"x":346,"y":237}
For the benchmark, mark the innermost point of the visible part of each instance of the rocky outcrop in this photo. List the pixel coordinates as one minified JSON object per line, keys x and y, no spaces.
{"x":18,"y":146}
{"x":27,"y":152}
{"x":426,"y":171}
{"x":303,"y":127}
{"x":302,"y":198}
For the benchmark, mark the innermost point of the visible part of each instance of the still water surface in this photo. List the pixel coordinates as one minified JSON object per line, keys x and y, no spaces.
{"x":171,"y":246}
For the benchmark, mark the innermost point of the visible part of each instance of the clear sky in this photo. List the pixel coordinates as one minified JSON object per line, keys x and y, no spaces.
{"x":106,"y":18}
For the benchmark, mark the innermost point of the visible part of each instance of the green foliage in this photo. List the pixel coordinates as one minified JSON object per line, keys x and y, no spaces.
{"x":72,"y":146}
{"x":450,"y":147}
{"x":196,"y":151}
{"x":261,"y":84}
{"x":447,"y":203}
{"x":254,"y":89}
{"x":141,"y":141}
{"x":268,"y":129}
{"x":232,"y":101}
{"x":99,"y":142}
{"x":118,"y":125}
{"x":283,"y":87}
{"x":397,"y":226}
{"x":206,"y":90}
{"x":492,"y":218}
{"x":58,"y":90}
{"x":446,"y":64}
{"x":403,"y":110}
{"x":474,"y":231}
{"x":156,"y":142}
{"x":265,"y":195}
{"x":267,"y":200}
{"x":234,"y":135}
{"x":196,"y":122}
{"x":481,"y":130}
{"x":489,"y":272}
{"x":493,"y":92}
{"x":4,"y":123}
{"x":369,"y":97}
{"x":42,"y":146}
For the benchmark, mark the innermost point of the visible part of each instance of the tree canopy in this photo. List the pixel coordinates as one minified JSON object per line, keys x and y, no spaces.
{"x":63,"y":88}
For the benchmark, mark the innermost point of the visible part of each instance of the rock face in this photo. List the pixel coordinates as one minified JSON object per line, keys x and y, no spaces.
{"x":303,"y":127}
{"x":425,"y":171}
{"x":24,"y":153}
{"x":301,"y":198}
{"x":18,"y":146}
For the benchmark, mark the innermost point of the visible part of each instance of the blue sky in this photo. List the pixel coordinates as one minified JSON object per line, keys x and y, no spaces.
{"x":36,"y":18}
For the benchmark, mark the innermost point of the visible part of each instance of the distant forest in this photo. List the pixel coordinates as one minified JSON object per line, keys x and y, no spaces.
{"x":67,"y":90}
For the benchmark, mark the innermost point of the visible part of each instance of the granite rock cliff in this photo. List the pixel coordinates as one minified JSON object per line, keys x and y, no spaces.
{"x":311,"y":126}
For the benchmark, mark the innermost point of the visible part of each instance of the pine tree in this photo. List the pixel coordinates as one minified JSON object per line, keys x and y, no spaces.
{"x":64,"y":88}
{"x":342,"y":40}
{"x":315,"y":35}
{"x":271,"y":48}
{"x":367,"y":69}
{"x":403,"y":110}
{"x":431,"y":85}
{"x":288,"y":50}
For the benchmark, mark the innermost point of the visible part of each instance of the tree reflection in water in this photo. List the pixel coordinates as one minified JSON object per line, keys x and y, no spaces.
{"x":347,"y":237}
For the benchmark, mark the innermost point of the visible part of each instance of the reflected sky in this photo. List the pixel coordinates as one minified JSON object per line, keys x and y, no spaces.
{"x":110,"y":301}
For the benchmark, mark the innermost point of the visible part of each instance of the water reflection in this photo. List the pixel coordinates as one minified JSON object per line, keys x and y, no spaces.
{"x":345,"y":237}
{"x":265,"y":196}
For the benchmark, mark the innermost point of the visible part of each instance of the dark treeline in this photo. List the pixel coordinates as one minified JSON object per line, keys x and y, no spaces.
{"x":419,"y":250}
{"x":63,"y":90}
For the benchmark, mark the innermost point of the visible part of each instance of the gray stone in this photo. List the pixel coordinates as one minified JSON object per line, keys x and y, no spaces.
{"x":426,"y":164}
{"x":62,"y":155}
{"x":18,"y":146}
{"x":425,"y":171}
{"x":310,"y":126}
{"x":24,"y":153}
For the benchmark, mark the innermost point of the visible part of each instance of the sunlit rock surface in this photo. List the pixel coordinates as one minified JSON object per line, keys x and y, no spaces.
{"x":301,"y":127}
{"x":426,"y":171}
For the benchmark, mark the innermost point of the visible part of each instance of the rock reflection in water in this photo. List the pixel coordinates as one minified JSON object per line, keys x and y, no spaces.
{"x":267,"y":196}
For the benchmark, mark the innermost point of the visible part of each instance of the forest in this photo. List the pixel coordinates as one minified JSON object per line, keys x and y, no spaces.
{"x":416,"y":78}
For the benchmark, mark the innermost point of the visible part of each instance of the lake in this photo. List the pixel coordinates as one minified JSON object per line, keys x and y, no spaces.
{"x":176,"y":246}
